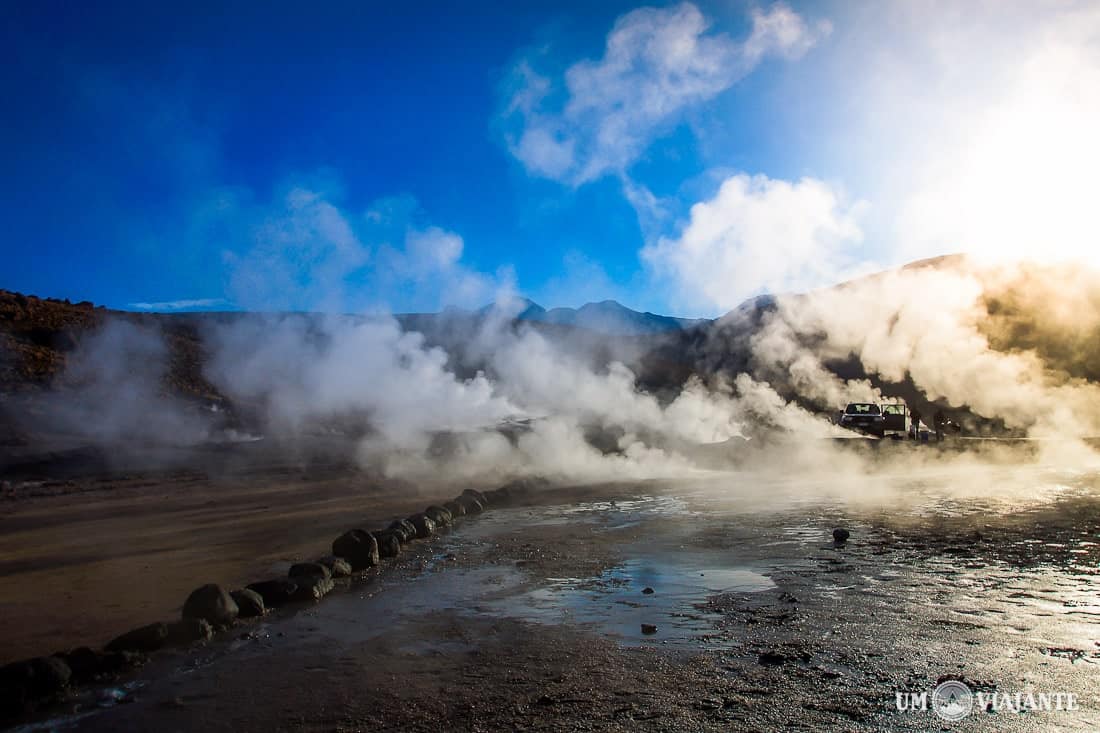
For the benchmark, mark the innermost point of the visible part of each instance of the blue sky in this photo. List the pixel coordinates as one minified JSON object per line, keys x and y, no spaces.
{"x":677,"y":157}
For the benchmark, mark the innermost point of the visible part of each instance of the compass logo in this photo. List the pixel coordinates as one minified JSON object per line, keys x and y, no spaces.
{"x":952,"y":700}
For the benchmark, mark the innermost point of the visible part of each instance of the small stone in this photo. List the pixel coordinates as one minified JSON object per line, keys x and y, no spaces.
{"x":841,"y":535}
{"x":649,"y":628}
{"x":771,"y":659}
{"x":647,"y":590}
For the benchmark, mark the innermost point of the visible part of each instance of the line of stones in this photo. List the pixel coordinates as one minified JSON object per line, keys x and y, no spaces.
{"x":31,"y":683}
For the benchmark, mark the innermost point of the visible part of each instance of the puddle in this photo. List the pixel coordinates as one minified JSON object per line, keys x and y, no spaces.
{"x":614,"y":603}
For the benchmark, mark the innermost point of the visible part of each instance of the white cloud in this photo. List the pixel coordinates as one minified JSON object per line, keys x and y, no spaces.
{"x":658,"y":63}
{"x":758,"y":234}
{"x":970,"y":126}
{"x":180,"y":305}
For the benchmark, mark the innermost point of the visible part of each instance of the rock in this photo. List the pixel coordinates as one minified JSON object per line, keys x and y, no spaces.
{"x":249,"y":603}
{"x":470,"y":504}
{"x":841,"y":535}
{"x":358,"y":547}
{"x":439,"y":515}
{"x":189,"y":631}
{"x":499,"y":497}
{"x":771,"y":659}
{"x":211,"y":603}
{"x":337,"y":566}
{"x":389,"y":545}
{"x":309,"y":569}
{"x":88,"y":665}
{"x":647,"y":590}
{"x":275,"y":592}
{"x":649,"y":628}
{"x":40,"y":677}
{"x":455,"y":508}
{"x":476,"y":496}
{"x":312,"y":587}
{"x":425,"y":527}
{"x":403,"y":529}
{"x":144,"y":639}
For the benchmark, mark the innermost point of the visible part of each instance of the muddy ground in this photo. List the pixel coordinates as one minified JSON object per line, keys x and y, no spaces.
{"x":530,"y":617}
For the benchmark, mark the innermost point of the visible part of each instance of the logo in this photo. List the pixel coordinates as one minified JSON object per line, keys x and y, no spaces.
{"x":952,"y":700}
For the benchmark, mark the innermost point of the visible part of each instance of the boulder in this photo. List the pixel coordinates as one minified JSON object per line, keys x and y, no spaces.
{"x":425,"y":527}
{"x":144,"y":639}
{"x":189,"y":631}
{"x":337,"y":566}
{"x":249,"y":603}
{"x":406,"y":532}
{"x":40,"y":677}
{"x":24,"y":683}
{"x":312,"y":587}
{"x":309,"y":569}
{"x":470,"y":504}
{"x":358,"y":547}
{"x":88,"y":665}
{"x":213,"y":604}
{"x":475,"y":495}
{"x":275,"y":592}
{"x":439,"y":515}
{"x":841,"y":535}
{"x":455,"y":508}
{"x":389,"y":545}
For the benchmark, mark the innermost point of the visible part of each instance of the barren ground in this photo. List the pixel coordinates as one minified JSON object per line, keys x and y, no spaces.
{"x":530,"y":617}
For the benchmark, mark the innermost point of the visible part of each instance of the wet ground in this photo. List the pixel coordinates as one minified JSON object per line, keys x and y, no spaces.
{"x":532,"y":617}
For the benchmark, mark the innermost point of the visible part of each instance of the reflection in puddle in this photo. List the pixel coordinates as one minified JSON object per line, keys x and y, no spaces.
{"x":616,"y":603}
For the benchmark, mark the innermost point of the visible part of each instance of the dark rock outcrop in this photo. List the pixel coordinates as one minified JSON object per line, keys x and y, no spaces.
{"x":213,"y":604}
{"x":455,"y":508}
{"x":358,"y":547}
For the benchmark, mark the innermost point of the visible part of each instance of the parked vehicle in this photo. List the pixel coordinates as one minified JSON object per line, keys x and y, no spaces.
{"x":865,"y":417}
